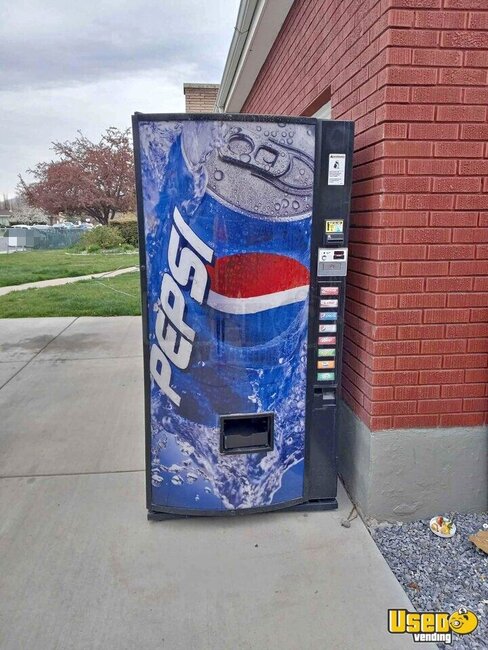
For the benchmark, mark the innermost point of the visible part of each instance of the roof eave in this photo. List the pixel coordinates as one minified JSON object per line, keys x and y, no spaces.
{"x":258,"y":24}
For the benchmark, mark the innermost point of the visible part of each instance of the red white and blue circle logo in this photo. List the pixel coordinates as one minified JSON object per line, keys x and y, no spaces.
{"x":248,"y":283}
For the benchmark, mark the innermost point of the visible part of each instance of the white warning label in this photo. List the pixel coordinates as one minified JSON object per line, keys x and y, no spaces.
{"x":337,"y":168}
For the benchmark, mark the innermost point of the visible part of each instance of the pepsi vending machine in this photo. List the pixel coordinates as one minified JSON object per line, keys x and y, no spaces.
{"x":243,"y":228}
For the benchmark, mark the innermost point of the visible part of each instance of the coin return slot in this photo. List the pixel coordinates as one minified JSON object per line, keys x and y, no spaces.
{"x":243,"y":434}
{"x":326,"y":395}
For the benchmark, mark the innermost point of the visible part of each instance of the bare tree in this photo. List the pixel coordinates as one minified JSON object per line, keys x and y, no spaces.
{"x":5,"y":203}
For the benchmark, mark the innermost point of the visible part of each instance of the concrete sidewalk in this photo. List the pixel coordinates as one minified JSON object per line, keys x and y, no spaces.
{"x":55,"y":282}
{"x":81,"y":566}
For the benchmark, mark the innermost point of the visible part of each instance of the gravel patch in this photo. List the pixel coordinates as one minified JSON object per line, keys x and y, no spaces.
{"x":440,"y":574}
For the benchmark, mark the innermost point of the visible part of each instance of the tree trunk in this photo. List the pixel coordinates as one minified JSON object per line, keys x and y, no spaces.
{"x":98,"y":215}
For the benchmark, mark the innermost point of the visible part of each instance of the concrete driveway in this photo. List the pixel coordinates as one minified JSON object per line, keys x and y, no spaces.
{"x":81,"y":567}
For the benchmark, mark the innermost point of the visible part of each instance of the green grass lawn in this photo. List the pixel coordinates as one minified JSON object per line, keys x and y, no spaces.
{"x":84,"y":298}
{"x":17,"y":268}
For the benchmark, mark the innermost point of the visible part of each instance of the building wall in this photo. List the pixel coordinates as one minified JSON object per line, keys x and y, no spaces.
{"x":200,"y":98}
{"x":412,"y":74}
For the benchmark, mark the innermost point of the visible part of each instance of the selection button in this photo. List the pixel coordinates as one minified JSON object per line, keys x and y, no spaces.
{"x":328,"y":315}
{"x":329,"y":291}
{"x":329,"y":303}
{"x":322,"y":365}
{"x":328,"y":328}
{"x":327,"y":340}
{"x":327,"y":352}
{"x":325,"y":376}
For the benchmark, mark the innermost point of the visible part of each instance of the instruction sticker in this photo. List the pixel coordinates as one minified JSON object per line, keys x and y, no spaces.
{"x":337,"y":168}
{"x":336,"y":225}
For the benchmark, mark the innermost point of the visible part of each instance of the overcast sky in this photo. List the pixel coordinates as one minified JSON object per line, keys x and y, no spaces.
{"x":89,"y":64}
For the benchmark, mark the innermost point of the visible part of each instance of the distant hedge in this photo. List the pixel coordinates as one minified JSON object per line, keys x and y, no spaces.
{"x":127,"y":230}
{"x":99,"y":238}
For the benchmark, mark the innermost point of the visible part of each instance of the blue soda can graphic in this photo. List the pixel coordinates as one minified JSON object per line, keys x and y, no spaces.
{"x":227,"y":219}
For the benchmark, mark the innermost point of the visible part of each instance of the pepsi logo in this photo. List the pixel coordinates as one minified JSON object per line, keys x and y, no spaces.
{"x":247,"y":283}
{"x":187,"y":255}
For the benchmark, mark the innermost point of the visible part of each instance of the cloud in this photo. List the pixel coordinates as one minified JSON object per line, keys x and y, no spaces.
{"x":90,"y":64}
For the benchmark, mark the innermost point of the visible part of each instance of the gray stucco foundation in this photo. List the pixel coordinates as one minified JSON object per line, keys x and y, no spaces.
{"x":401,"y":475}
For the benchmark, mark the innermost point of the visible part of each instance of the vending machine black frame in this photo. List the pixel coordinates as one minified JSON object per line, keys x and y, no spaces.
{"x":331,"y":202}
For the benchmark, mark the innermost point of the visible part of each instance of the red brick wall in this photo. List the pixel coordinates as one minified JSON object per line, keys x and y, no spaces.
{"x":412,"y":74}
